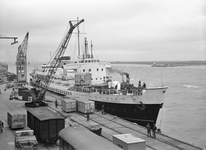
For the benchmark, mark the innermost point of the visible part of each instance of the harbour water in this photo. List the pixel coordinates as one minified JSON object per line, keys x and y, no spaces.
{"x":183,"y":115}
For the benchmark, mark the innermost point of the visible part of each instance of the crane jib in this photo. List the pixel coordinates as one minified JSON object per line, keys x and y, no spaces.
{"x":55,"y":62}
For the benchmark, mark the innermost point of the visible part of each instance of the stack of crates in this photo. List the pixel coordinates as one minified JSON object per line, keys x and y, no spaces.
{"x":68,"y":105}
{"x":83,"y":79}
{"x":16,"y":119}
{"x":85,"y":106}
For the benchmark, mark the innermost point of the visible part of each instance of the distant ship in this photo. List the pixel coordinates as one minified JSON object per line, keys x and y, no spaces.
{"x":89,"y":78}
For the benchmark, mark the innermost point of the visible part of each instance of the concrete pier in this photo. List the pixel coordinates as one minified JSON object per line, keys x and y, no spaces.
{"x":112,"y":125}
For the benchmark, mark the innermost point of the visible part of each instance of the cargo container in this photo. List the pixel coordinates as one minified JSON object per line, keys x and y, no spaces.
{"x":45,"y":123}
{"x":85,"y":106}
{"x":129,"y":142}
{"x":11,"y":77}
{"x":80,"y":138}
{"x":16,"y":119}
{"x":21,"y":89}
{"x":68,"y":105}
{"x":26,"y":94}
{"x":83,"y":79}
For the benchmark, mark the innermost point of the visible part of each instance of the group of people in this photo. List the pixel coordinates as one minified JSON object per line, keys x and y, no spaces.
{"x":153,"y":129}
{"x":141,"y":85}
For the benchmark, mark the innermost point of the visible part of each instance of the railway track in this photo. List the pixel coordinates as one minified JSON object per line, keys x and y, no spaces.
{"x":163,"y":139}
{"x":143,"y":133}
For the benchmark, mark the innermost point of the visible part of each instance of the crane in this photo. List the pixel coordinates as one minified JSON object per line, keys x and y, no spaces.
{"x":21,"y":62}
{"x":6,"y":37}
{"x":21,"y":67}
{"x":54,"y":64}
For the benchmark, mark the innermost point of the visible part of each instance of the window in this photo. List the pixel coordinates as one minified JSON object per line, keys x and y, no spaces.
{"x":83,"y":70}
{"x":89,"y":70}
{"x":102,"y":69}
{"x":97,"y":69}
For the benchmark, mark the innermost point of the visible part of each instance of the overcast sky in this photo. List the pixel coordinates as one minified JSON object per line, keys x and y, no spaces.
{"x":121,"y":30}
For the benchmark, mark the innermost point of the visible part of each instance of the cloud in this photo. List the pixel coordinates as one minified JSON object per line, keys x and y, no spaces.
{"x":131,"y":28}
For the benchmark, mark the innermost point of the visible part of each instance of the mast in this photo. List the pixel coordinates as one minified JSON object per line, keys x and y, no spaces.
{"x":91,"y":50}
{"x":78,"y":39}
{"x":86,"y":48}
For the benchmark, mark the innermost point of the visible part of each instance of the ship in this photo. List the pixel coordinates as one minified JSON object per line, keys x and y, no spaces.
{"x":86,"y":77}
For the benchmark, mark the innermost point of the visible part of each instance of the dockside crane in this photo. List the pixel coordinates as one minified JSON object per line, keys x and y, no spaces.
{"x":7,"y":37}
{"x":53,"y":65}
{"x":21,"y":63}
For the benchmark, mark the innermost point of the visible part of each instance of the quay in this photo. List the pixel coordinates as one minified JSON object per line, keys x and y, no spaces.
{"x":110,"y":125}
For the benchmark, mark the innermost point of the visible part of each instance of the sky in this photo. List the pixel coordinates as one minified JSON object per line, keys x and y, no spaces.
{"x":120,"y":30}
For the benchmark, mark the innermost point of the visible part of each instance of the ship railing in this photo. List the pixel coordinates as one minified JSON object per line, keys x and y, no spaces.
{"x":132,"y":92}
{"x":111,"y":91}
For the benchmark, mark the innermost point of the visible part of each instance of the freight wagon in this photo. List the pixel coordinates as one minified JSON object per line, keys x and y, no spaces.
{"x":45,"y":123}
{"x":16,"y":119}
{"x":80,"y":138}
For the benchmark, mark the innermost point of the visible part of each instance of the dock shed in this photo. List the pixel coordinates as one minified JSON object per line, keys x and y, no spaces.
{"x":45,"y":123}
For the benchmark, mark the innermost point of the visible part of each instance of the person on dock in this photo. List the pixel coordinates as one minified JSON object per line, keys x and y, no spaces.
{"x":1,"y":126}
{"x":148,"y":130}
{"x":88,"y":116}
{"x":56,"y":103}
{"x":144,"y":86}
{"x":154,"y":128}
{"x":102,"y":109}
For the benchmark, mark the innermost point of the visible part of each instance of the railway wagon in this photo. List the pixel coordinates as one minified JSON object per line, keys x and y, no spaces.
{"x":80,"y":138}
{"x":45,"y":123}
{"x":16,"y":119}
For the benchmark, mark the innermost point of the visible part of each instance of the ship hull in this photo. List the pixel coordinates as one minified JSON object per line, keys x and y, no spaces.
{"x":137,"y":109}
{"x":137,"y":113}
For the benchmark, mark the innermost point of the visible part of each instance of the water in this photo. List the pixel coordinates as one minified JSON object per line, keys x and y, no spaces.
{"x":183,"y":115}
